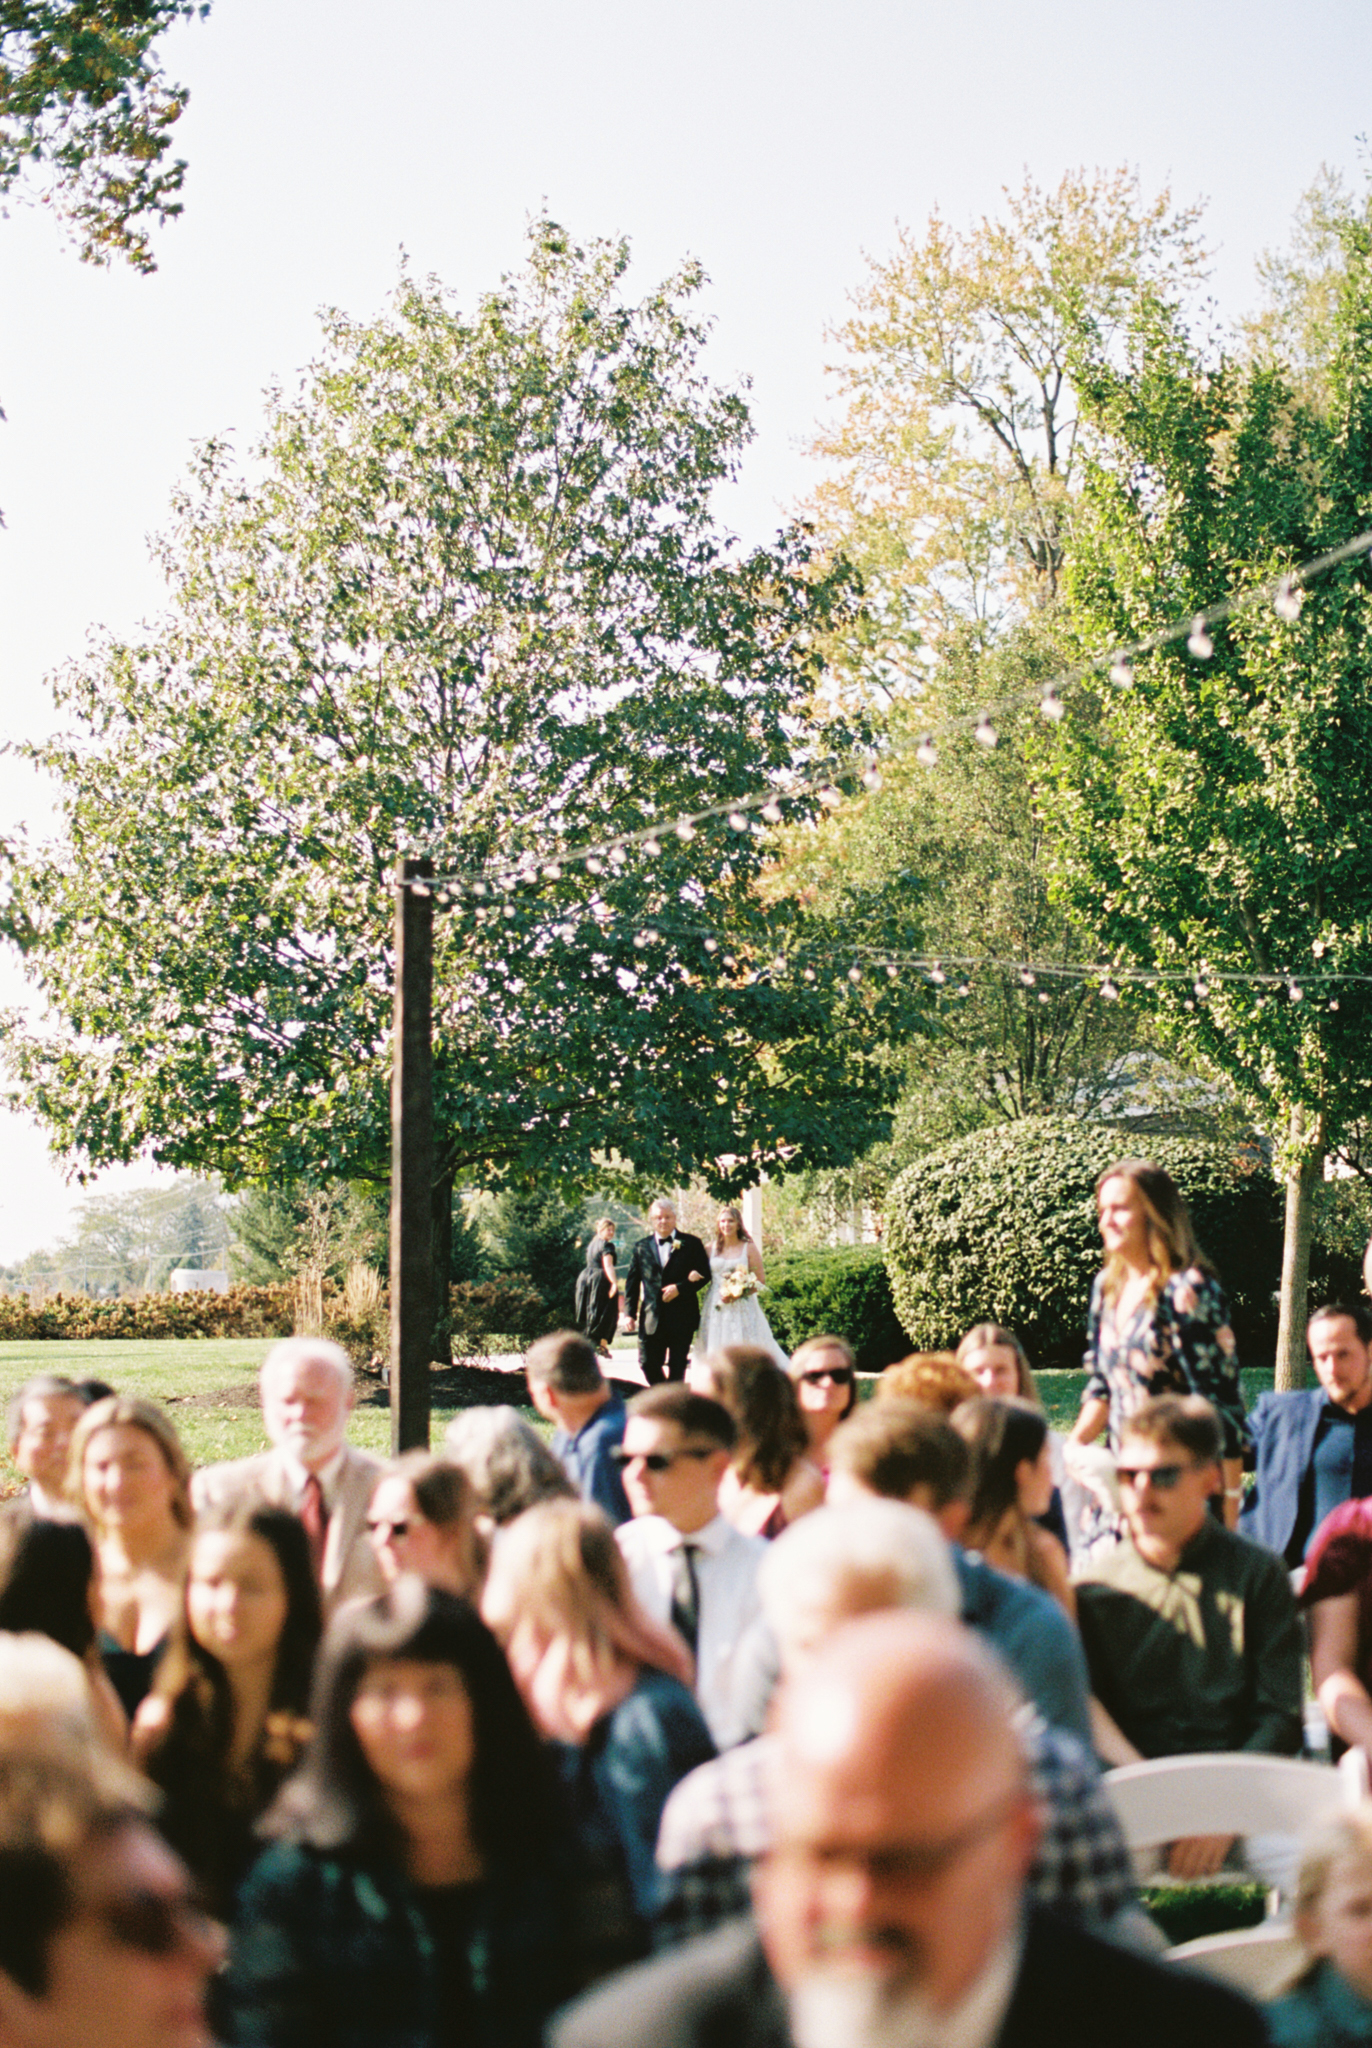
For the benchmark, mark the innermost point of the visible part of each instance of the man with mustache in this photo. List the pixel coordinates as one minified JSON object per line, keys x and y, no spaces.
{"x":890,"y":1913}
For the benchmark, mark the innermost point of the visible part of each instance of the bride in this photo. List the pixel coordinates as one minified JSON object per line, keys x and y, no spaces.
{"x":738,"y":1321}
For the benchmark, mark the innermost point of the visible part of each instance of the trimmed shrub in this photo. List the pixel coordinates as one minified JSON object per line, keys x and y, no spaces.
{"x":509,"y":1307}
{"x":1001,"y":1227}
{"x":242,"y":1312}
{"x":843,"y":1292}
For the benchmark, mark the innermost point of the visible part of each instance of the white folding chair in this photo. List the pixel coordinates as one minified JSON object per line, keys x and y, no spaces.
{"x":1261,"y":1961}
{"x":1240,"y":1793}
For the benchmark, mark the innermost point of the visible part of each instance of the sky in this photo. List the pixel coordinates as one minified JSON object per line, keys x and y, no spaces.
{"x":778,"y":144}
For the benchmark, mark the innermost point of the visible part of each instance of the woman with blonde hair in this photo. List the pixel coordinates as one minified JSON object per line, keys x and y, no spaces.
{"x":824,"y":1374}
{"x":731,"y":1313}
{"x":999,"y":1364}
{"x":597,"y":1289}
{"x":610,"y":1689}
{"x":129,"y":1476}
{"x":1159,"y":1320}
{"x":933,"y":1378}
{"x":770,"y":1481}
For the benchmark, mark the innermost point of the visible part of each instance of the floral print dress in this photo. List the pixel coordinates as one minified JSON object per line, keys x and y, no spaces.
{"x":1180,"y":1344}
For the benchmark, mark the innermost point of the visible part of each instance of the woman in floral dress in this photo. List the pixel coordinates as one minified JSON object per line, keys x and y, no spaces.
{"x":1159,"y":1320}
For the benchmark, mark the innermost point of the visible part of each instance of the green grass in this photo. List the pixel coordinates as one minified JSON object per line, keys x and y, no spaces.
{"x":177,"y":1370}
{"x":1061,"y":1392}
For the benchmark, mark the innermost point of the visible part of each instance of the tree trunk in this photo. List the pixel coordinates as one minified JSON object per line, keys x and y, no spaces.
{"x":443,"y":1266}
{"x":1301,"y":1181}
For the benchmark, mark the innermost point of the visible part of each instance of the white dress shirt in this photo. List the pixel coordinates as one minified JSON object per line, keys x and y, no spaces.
{"x":299,"y":1477}
{"x":726,"y":1567}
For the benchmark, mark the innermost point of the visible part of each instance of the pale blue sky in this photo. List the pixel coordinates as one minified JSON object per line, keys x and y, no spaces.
{"x":776,"y":143}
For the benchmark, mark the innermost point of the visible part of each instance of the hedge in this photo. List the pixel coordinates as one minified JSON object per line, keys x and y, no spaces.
{"x":242,"y":1312}
{"x":1001,"y":1227}
{"x":843,"y":1293}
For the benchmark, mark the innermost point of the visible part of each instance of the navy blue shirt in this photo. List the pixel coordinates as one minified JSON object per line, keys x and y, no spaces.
{"x":586,"y":1460}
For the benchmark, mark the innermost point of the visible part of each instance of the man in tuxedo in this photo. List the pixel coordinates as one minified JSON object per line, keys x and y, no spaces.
{"x":307,"y":1396}
{"x":891,"y":1909}
{"x":667,"y":1269}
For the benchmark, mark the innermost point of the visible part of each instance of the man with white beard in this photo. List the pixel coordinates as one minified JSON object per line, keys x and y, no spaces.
{"x":890,"y":1913}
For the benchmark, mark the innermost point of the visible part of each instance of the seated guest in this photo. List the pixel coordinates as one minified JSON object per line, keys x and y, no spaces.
{"x":45,"y":1700}
{"x":568,"y":1388}
{"x":837,"y":1565}
{"x":689,"y":1566}
{"x":42,"y":1416}
{"x":129,"y":1476}
{"x":100,"y":1945}
{"x":307,"y":1391}
{"x":905,"y":1451}
{"x":933,"y":1378}
{"x":422,"y":1518}
{"x":48,"y":1587}
{"x":999,"y":1364}
{"x":1336,"y":1594}
{"x":824,"y":1374}
{"x":1190,"y":1630}
{"x":1010,"y":1486}
{"x":225,"y":1722}
{"x":892,"y":1908}
{"x":611,"y":1691}
{"x":508,"y":1464}
{"x":770,"y":1480}
{"x":1312,"y":1449}
{"x":1331,"y":2005}
{"x":412,"y":1897}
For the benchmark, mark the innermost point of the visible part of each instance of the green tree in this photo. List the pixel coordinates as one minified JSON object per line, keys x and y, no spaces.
{"x":84,"y":108}
{"x":1213,"y":818}
{"x":474,"y":602}
{"x":129,"y":1242}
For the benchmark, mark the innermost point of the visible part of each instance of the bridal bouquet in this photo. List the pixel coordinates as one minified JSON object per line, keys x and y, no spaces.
{"x":738,"y":1283}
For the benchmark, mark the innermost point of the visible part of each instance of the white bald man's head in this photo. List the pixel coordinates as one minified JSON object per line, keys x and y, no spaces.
{"x":838,"y":1563}
{"x":903,"y":1825}
{"x":307,"y":1393}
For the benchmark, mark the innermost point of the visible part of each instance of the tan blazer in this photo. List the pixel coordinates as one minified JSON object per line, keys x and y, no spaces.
{"x":350,"y":1568}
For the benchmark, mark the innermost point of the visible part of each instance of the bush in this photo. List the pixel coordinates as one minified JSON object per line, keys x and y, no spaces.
{"x":842,"y":1293}
{"x":509,"y":1307}
{"x":1001,"y":1227}
{"x":242,"y":1312}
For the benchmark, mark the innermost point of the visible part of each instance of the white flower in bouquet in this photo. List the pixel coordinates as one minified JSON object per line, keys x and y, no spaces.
{"x":738,"y":1283}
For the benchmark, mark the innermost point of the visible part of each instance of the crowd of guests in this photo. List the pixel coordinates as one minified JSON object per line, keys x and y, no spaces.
{"x":792,"y":1706}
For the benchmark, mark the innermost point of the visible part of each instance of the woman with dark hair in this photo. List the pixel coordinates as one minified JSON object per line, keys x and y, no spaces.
{"x":47,"y":1588}
{"x":130,"y":1478}
{"x":1011,"y":1481}
{"x":422,"y":1518}
{"x":597,"y":1289}
{"x":1159,"y":1321}
{"x":225,"y":1722}
{"x":412,"y":1897}
{"x":770,"y":1481}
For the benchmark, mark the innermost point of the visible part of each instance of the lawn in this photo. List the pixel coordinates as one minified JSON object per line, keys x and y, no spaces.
{"x":1061,"y":1392}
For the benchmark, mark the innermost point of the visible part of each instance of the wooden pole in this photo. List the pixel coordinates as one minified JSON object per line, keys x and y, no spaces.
{"x":412,"y":1159}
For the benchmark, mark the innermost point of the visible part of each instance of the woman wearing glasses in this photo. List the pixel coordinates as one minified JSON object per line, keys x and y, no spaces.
{"x":422,"y":1518}
{"x":823,"y":1372}
{"x":1159,"y":1320}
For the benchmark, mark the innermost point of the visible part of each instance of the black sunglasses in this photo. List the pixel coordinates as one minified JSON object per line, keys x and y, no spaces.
{"x":153,"y":1924}
{"x":1162,"y":1478}
{"x":660,"y":1461}
{"x":837,"y":1375}
{"x":398,"y":1530}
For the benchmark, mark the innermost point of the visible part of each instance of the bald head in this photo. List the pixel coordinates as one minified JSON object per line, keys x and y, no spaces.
{"x":906,"y":1826}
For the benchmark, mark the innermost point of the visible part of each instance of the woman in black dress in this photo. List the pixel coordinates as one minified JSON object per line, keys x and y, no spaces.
{"x":597,"y":1290}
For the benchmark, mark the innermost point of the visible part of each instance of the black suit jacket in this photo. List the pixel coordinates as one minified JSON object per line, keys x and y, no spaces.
{"x":1073,"y":1991}
{"x":648,"y":1276}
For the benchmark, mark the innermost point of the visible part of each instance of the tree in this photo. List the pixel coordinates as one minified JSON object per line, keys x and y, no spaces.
{"x":1212,"y":820}
{"x":130,"y":1242}
{"x":474,"y":602}
{"x":84,"y":105}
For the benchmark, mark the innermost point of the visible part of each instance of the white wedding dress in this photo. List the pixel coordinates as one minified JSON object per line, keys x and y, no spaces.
{"x":733,"y":1322}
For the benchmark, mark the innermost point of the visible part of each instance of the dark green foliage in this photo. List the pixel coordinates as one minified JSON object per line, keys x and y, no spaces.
{"x":508,"y":1307}
{"x":542,"y":1239}
{"x":840,"y":1293}
{"x":1001,"y":1227}
{"x":1185,"y":1912}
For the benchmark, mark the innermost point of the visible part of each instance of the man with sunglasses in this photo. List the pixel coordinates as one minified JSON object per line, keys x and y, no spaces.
{"x":100,"y":1946}
{"x":690,"y":1567}
{"x":1190,"y":1631}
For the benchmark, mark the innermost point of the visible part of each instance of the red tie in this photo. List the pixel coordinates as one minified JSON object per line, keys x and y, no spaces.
{"x":314,"y":1517}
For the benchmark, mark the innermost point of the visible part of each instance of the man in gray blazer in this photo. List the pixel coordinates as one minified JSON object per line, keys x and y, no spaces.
{"x":307,"y":1396}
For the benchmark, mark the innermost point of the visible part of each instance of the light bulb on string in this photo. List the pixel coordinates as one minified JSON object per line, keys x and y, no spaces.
{"x":1198,"y":641}
{"x":594,"y":864}
{"x":711,"y":945}
{"x":963,"y":988}
{"x":779,"y":964}
{"x":685,"y":829}
{"x":1294,"y":991}
{"x":1333,"y":1002}
{"x":1122,"y":673}
{"x":1202,"y":988}
{"x":480,"y":889}
{"x":1288,"y":599}
{"x":617,"y":856}
{"x":737,"y":821}
{"x":830,"y":797}
{"x":652,"y":847}
{"x":926,"y":753}
{"x":1043,"y":995}
{"x":1109,"y":991}
{"x":855,"y":975}
{"x":809,"y":973}
{"x":936,"y":973}
{"x":986,"y":734}
{"x":892,"y":971}
{"x":1051,"y":705}
{"x":1026,"y":975}
{"x":772,"y":812}
{"x":871,"y":776}
{"x":552,"y":872}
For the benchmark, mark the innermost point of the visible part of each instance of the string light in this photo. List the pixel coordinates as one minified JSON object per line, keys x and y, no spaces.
{"x":871,"y":776}
{"x":1122,"y":674}
{"x":1289,"y":599}
{"x":1198,"y":641}
{"x":986,"y":733}
{"x":652,"y":847}
{"x":830,"y":797}
{"x":926,"y":753}
{"x":772,"y":812}
{"x":1051,"y":705}
{"x":737,"y":822}
{"x":685,"y":829}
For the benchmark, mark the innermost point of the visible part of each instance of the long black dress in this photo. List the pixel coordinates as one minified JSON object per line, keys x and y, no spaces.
{"x":597,"y":1310}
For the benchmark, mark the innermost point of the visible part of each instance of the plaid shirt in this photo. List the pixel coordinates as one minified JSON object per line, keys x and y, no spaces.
{"x":716,"y":1822}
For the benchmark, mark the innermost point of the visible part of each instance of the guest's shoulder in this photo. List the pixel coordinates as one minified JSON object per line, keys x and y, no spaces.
{"x":234,"y":1478}
{"x":644,"y":1537}
{"x":362,"y":1464}
{"x":715,"y":1992}
{"x":1094,"y":1990}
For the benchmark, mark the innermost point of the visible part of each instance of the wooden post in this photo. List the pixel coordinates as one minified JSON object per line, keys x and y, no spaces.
{"x":412,"y":1159}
